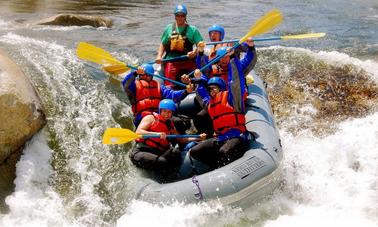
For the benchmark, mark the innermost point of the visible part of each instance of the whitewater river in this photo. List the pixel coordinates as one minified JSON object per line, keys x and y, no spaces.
{"x":324,"y":94}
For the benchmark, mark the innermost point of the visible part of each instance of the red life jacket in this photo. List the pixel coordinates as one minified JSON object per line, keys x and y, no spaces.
{"x":159,"y":125}
{"x":219,"y":72}
{"x":213,"y":51}
{"x":148,"y":96}
{"x":224,"y":116}
{"x":216,"y":70}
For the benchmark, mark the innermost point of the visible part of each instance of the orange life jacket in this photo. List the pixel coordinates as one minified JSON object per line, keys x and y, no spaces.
{"x":215,"y":69}
{"x":159,"y":125}
{"x":224,"y":116}
{"x":213,"y":51}
{"x":148,"y":96}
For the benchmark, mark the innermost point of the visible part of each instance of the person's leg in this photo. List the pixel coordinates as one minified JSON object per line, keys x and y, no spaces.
{"x":205,"y":152}
{"x":231,"y":150}
{"x":190,"y":167}
{"x":181,"y":124}
{"x":144,"y":157}
{"x":170,"y":71}
{"x":203,"y":123}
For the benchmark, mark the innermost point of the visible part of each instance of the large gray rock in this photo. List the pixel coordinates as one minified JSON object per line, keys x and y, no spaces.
{"x":77,"y":20}
{"x":21,"y":117}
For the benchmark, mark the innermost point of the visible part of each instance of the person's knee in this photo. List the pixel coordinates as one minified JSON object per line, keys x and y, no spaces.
{"x":161,"y":161}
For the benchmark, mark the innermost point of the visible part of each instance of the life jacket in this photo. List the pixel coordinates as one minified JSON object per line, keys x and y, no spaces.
{"x":148,"y":96}
{"x":178,"y":42}
{"x":217,"y":71}
{"x":213,"y":51}
{"x":159,"y":125}
{"x":224,"y":116}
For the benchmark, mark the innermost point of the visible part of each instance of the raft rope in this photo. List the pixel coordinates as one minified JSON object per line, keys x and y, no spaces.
{"x":199,"y":194}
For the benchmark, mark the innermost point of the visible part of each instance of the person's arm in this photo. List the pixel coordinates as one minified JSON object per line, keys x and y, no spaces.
{"x":237,"y":87}
{"x":194,"y":37}
{"x":187,"y":140}
{"x":160,"y":53}
{"x":164,"y":40}
{"x":128,"y":85}
{"x":202,"y":59}
{"x":176,"y":96}
{"x":201,"y":92}
{"x":145,"y":124}
{"x":250,"y":58}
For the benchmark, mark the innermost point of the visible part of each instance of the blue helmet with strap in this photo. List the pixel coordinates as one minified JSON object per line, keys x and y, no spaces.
{"x":217,"y":81}
{"x":167,"y":104}
{"x":217,"y":28}
{"x":148,"y":69}
{"x":180,"y":9}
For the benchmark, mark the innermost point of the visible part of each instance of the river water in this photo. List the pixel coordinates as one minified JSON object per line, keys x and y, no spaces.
{"x":324,"y":94}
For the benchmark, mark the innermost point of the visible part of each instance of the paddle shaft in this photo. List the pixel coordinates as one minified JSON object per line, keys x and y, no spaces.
{"x":236,"y":40}
{"x":158,"y":76}
{"x":182,"y":57}
{"x":302,"y":36}
{"x":170,"y":136}
{"x":216,"y":59}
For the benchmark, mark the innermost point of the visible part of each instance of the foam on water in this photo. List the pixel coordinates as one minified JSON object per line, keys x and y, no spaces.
{"x":336,"y":58}
{"x":178,"y":214}
{"x":34,"y":201}
{"x":332,"y":181}
{"x":73,"y":101}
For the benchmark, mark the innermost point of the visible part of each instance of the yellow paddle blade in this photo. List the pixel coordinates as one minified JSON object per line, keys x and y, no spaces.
{"x":95,"y":54}
{"x":115,"y":69}
{"x":304,"y":36}
{"x":264,"y":24}
{"x":119,"y":136}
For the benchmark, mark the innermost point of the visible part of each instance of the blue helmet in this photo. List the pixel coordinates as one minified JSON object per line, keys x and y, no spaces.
{"x":148,"y":69}
{"x":180,"y":9}
{"x":217,"y":28}
{"x":167,"y":104}
{"x":221,"y":51}
{"x":217,"y":81}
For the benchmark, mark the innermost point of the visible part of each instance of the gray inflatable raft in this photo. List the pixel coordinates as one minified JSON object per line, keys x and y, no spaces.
{"x":250,"y":177}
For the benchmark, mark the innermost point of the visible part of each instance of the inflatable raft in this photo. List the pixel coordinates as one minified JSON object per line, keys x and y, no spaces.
{"x":255,"y":174}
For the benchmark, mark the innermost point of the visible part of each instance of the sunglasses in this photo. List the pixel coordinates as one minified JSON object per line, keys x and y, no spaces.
{"x":179,"y":15}
{"x":211,"y":88}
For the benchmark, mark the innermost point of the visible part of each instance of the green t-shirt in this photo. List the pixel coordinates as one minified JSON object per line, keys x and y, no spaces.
{"x":192,"y":33}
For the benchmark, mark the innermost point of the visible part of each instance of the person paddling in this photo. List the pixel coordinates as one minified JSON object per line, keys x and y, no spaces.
{"x":220,"y":68}
{"x":144,"y":93}
{"x":157,"y":153}
{"x":225,"y":106}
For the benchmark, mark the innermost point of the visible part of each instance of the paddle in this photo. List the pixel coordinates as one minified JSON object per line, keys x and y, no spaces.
{"x":302,"y":36}
{"x":182,"y":57}
{"x":122,"y":135}
{"x":264,"y":24}
{"x":110,"y":64}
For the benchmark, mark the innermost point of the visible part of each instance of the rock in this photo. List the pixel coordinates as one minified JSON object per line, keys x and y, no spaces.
{"x":21,"y":117}
{"x":77,"y":20}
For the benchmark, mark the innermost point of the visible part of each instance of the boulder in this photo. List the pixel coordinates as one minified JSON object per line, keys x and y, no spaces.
{"x":77,"y":20}
{"x":21,"y":117}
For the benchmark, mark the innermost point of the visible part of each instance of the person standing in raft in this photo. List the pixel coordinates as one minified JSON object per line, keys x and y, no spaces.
{"x":178,"y":40}
{"x":145,"y":94}
{"x":157,"y":153}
